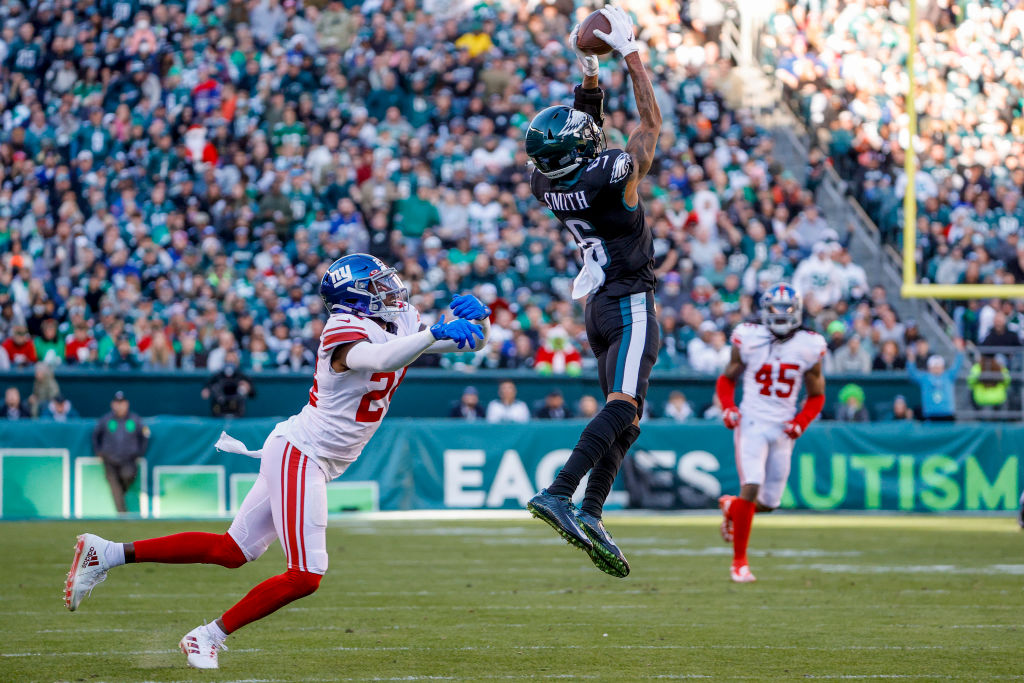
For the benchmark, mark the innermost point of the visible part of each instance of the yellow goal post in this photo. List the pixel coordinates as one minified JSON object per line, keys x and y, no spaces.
{"x":912,"y":289}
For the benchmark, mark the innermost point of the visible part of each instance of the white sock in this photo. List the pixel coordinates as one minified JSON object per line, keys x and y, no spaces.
{"x":113,"y":555}
{"x":215,"y":632}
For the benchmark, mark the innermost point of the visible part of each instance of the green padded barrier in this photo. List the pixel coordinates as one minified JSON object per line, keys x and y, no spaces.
{"x":188,"y":491}
{"x":36,"y":482}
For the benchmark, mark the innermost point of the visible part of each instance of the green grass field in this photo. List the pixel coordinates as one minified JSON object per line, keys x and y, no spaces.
{"x":838,"y":597}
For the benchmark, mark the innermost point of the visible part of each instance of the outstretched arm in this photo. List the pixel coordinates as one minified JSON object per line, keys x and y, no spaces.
{"x":643,"y":141}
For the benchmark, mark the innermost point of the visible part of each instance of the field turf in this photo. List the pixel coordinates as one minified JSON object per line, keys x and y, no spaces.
{"x":916,"y":598}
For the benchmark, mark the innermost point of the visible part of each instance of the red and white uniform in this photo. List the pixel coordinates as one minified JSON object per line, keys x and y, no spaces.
{"x":345,"y":408}
{"x":772,"y":380}
{"x":289,"y":499}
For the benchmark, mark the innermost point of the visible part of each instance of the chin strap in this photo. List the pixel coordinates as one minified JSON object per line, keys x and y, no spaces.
{"x":812,"y":408}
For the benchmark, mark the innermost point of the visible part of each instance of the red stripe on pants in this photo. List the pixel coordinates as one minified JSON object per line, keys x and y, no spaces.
{"x":302,"y":513}
{"x":292,"y":489}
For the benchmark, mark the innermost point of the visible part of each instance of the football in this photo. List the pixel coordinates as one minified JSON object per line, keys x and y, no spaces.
{"x":586,"y":41}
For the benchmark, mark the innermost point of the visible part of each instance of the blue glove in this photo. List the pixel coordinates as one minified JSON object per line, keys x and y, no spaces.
{"x":459,"y":331}
{"x":469,"y":307}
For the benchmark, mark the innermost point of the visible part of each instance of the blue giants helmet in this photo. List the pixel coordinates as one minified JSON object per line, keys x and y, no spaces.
{"x":360,"y":284}
{"x":782,"y":309}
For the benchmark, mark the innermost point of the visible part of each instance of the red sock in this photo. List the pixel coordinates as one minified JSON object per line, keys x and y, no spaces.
{"x":270,"y":596}
{"x":742,"y":514}
{"x":191,"y":548}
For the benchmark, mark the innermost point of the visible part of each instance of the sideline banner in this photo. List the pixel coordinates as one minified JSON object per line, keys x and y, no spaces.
{"x":47,"y":468}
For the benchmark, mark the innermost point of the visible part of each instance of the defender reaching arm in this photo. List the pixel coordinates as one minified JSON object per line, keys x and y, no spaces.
{"x":643,"y":141}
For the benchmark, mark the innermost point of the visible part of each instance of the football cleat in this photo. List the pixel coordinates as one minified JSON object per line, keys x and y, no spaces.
{"x":559,"y":513}
{"x":88,"y":569}
{"x":605,"y":554}
{"x":200,"y":648}
{"x":740,"y":573}
{"x":726,"y":529}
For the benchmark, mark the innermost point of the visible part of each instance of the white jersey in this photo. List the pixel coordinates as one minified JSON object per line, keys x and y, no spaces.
{"x":774,"y":369}
{"x":345,"y":408}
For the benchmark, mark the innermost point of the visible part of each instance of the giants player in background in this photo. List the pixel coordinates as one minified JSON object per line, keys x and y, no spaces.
{"x":774,"y":358}
{"x":371,"y":337}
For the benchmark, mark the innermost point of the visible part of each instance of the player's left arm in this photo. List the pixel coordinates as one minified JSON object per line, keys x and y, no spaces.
{"x":643,"y":141}
{"x":814,"y":380}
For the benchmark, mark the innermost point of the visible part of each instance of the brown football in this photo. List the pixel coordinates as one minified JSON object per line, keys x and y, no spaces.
{"x":585,"y":38}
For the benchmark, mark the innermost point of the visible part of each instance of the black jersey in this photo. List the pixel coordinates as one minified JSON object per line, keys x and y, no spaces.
{"x":590,"y":205}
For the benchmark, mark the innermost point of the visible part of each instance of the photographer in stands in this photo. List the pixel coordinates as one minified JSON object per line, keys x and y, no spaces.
{"x":229,"y":389}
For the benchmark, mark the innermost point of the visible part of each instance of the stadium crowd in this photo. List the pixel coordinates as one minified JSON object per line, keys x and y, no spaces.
{"x":845,"y":68}
{"x":173,"y":183}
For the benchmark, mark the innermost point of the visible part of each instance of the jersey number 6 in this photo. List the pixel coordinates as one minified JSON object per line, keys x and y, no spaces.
{"x":767,"y":381}
{"x":578,"y":227}
{"x":367,"y":412}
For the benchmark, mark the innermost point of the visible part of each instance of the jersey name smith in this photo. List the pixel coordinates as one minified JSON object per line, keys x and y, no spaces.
{"x":566,"y":201}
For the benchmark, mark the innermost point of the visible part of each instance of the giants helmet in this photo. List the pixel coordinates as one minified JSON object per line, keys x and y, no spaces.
{"x":561,"y":139}
{"x":782,"y":309}
{"x":362,"y":285}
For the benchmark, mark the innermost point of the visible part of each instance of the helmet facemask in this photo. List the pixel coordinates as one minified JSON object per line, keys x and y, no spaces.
{"x":782,"y":317}
{"x":388,"y":294}
{"x":559,"y":153}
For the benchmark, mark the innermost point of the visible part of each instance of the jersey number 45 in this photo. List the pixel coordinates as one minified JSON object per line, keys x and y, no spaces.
{"x":769,"y":380}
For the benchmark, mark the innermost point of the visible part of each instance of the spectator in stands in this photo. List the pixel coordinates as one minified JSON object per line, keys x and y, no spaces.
{"x":999,"y":334}
{"x":713,"y":411}
{"x":507,"y":408}
{"x":899,"y":409}
{"x":851,"y":404}
{"x":554,"y":407}
{"x":678,"y":408}
{"x":58,"y":409}
{"x":989,"y":381}
{"x":849,"y":359}
{"x":14,"y":407}
{"x":49,"y":344}
{"x":229,"y":389}
{"x":588,"y":407}
{"x":19,"y":346}
{"x":44,"y":388}
{"x":889,"y":358}
{"x":468,"y":406}
{"x":123,"y":356}
{"x":119,"y":439}
{"x":557,"y":356}
{"x":938,"y":401}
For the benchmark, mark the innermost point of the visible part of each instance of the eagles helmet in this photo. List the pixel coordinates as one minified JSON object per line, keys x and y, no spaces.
{"x":360,"y":284}
{"x":560,"y":139}
{"x":782,"y":309}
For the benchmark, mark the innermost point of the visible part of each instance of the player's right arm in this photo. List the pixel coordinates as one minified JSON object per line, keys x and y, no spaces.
{"x":643,"y":141}
{"x":398,"y":353}
{"x":725,"y":388}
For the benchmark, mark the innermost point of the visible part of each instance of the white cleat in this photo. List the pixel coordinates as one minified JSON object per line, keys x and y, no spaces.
{"x":201,"y":648}
{"x":88,"y":569}
{"x":741,"y":574}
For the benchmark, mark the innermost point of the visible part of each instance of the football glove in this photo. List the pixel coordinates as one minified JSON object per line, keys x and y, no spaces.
{"x":621,"y":38}
{"x":793,"y":429}
{"x":469,"y":307}
{"x":588,"y":63}
{"x":731,"y":417}
{"x":459,"y":331}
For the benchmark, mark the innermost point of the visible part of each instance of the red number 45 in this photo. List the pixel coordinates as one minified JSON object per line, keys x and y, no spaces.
{"x":765,"y":378}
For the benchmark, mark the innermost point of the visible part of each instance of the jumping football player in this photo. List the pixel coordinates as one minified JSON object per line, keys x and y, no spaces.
{"x":593,"y":193}
{"x":775,"y":358}
{"x":371,"y":337}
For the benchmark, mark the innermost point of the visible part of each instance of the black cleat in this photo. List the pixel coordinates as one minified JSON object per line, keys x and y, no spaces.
{"x":559,"y":513}
{"x":605,"y":554}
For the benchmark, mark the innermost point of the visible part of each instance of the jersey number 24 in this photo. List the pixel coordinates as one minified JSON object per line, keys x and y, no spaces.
{"x":770,"y":381}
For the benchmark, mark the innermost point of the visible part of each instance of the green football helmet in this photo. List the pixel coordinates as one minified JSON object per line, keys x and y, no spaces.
{"x":560,"y":139}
